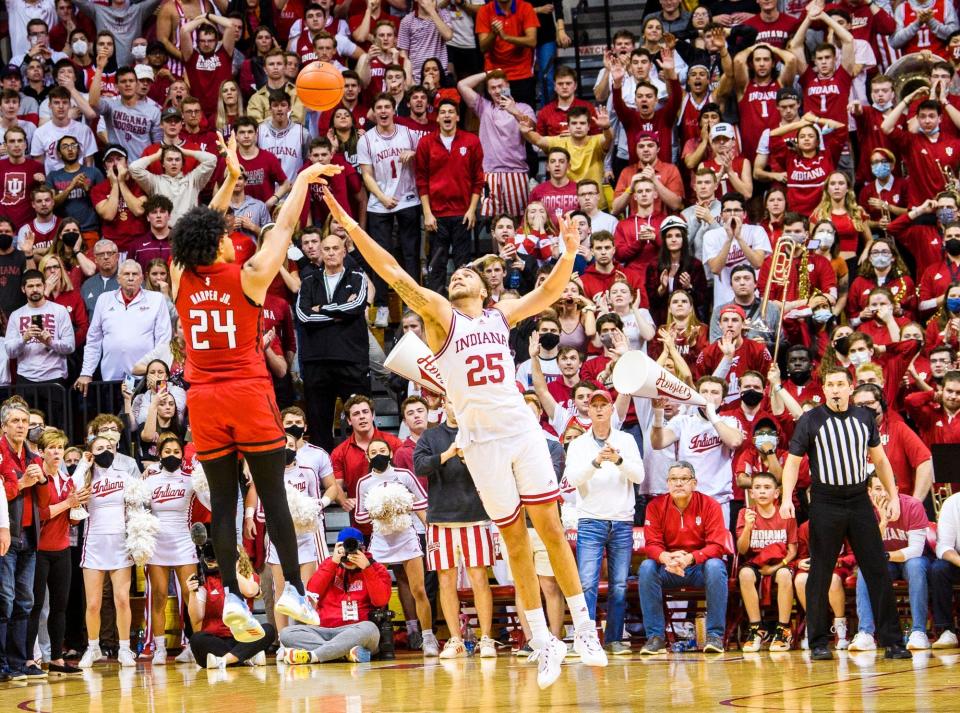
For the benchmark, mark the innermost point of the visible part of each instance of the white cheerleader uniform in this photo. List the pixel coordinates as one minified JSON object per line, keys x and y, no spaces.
{"x":318,"y":460}
{"x":396,"y":547}
{"x":105,"y":542}
{"x":305,"y":480}
{"x":171,"y":500}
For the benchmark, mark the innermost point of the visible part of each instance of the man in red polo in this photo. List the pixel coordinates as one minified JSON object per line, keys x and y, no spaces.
{"x":936,"y":414}
{"x":732,"y":356}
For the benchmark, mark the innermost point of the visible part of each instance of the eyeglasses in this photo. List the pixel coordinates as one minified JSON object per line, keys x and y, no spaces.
{"x":109,"y":253}
{"x":679,"y":480}
{"x":108,"y":429}
{"x":867,"y":404}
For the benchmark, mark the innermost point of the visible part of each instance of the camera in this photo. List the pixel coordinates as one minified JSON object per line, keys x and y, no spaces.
{"x":350,"y":546}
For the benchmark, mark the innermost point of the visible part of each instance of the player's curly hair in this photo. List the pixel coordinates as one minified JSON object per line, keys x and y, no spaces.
{"x":196,"y":237}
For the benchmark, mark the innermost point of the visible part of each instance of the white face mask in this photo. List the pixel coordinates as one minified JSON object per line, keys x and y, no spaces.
{"x":79,"y":47}
{"x":139,"y":52}
{"x":826,"y":239}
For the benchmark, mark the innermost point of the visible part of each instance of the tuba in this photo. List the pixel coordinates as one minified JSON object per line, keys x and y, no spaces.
{"x":911,"y":72}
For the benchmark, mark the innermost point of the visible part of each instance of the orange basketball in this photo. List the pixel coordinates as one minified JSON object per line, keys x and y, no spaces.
{"x":320,"y":86}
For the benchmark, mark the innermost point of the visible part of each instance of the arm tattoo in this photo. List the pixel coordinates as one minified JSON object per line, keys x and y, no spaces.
{"x":410,"y":294}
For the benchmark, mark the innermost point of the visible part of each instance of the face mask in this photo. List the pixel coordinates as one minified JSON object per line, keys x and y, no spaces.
{"x":932,"y":132}
{"x":946,"y":215}
{"x":859,"y":358}
{"x":952,"y":247}
{"x":549,"y":341}
{"x":80,"y":47}
{"x":799,"y":377}
{"x":766,"y":439}
{"x":883,"y":107}
{"x":171,"y":464}
{"x":6,"y":241}
{"x":112,"y":436}
{"x":881,"y":170}
{"x":953,"y":304}
{"x":33,"y":435}
{"x":881,"y":262}
{"x":295,"y":431}
{"x":70,"y":238}
{"x":842,"y":345}
{"x":826,"y":239}
{"x":71,"y":468}
{"x":380,"y":463}
{"x":751,"y":397}
{"x":139,"y":52}
{"x":822,"y":315}
{"x":290,"y":455}
{"x":104,"y":459}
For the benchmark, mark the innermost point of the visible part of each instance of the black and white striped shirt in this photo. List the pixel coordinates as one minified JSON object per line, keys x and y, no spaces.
{"x":837,"y":444}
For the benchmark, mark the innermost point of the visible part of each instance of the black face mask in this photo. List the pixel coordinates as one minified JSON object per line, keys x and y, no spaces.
{"x":952,"y":247}
{"x":842,"y":346}
{"x":549,"y":340}
{"x":295,"y":431}
{"x":290,"y":455}
{"x":380,"y":463}
{"x":800,"y":377}
{"x":751,"y":397}
{"x":6,"y":240}
{"x":104,"y":459}
{"x":171,"y":464}
{"x":71,"y":468}
{"x":70,"y":238}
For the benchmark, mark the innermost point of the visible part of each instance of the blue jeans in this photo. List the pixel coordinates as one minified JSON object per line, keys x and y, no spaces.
{"x":654,"y":578}
{"x":616,"y":538}
{"x":915,"y":572}
{"x":16,"y":601}
{"x":546,"y":63}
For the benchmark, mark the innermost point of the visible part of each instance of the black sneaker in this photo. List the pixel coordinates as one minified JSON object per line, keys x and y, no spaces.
{"x":654,"y":646}
{"x":4,"y":675}
{"x":64,"y":670}
{"x":897,"y":651}
{"x":16,"y":675}
{"x":33,"y":672}
{"x":821,"y":653}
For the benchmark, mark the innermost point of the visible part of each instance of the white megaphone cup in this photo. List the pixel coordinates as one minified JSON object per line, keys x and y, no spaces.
{"x":413,"y":360}
{"x":639,"y":375}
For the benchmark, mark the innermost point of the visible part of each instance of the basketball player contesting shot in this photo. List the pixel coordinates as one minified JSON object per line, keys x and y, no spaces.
{"x":838,"y":437}
{"x":503,"y":445}
{"x":231,"y":398}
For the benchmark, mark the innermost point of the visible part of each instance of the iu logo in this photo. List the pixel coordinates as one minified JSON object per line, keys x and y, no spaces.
{"x":14,"y":188}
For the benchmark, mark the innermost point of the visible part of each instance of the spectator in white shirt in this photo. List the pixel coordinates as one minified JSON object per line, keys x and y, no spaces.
{"x":945,"y":573}
{"x":39,"y":334}
{"x":126,"y":324}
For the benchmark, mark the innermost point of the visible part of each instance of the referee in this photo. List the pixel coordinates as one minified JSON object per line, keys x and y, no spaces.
{"x":837,"y":438}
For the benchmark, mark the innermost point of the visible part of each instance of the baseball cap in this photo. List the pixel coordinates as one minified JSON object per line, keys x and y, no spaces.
{"x":673,"y":221}
{"x":735,"y":308}
{"x":785,"y":93}
{"x":350,"y":532}
{"x":649,"y":136}
{"x":11,"y":70}
{"x":144,"y":71}
{"x":171,"y":112}
{"x":601,"y":394}
{"x":112,"y":149}
{"x":722,"y":129}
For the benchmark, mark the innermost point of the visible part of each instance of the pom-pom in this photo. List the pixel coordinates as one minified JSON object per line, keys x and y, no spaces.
{"x":569,"y":517}
{"x":78,"y":514}
{"x":200,"y":484}
{"x":142,"y":530}
{"x":136,"y":493}
{"x":389,"y":506}
{"x":304,"y":510}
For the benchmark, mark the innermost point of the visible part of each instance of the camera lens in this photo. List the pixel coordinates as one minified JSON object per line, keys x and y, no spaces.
{"x":350,"y":545}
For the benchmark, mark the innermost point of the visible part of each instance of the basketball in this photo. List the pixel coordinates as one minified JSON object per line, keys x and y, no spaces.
{"x":320,"y":86}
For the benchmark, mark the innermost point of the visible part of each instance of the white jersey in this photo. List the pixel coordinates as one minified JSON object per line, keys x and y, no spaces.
{"x":288,"y":145}
{"x":480,"y":377}
{"x":699,"y":445}
{"x":316,"y":459}
{"x":753,"y":235}
{"x":394,"y":177}
{"x":106,"y":505}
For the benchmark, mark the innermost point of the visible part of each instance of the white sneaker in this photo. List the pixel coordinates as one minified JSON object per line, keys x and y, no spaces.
{"x":160,"y":656}
{"x":453,"y":649}
{"x":185,"y":656}
{"x":296,"y":606}
{"x":918,"y":641}
{"x":488,"y":648}
{"x":216,"y":662}
{"x":237,"y":617}
{"x":840,"y":629}
{"x":260,"y":659}
{"x":947,"y":640}
{"x":431,"y":647}
{"x":383,"y":317}
{"x":549,"y":659}
{"x":587,"y":644}
{"x":91,"y":656}
{"x":126,"y":658}
{"x":804,"y":642}
{"x":281,"y":652}
{"x":863,"y":642}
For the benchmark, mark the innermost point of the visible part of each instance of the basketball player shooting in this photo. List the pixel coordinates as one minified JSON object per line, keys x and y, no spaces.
{"x":231,"y":401}
{"x":502,"y":443}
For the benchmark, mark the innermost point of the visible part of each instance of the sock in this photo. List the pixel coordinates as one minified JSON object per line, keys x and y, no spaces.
{"x":427,"y":633}
{"x":539,"y":633}
{"x":412,"y":626}
{"x":93,"y":643}
{"x":579,"y":612}
{"x":125,"y":644}
{"x":314,"y":658}
{"x":160,"y":642}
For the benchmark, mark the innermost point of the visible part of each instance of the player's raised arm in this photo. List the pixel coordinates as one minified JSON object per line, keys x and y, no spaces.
{"x":259,"y":270}
{"x":221,"y":200}
{"x":427,"y":303}
{"x":535,"y":301}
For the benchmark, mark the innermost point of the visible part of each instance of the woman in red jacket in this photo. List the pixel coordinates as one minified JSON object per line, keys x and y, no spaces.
{"x":55,"y":497}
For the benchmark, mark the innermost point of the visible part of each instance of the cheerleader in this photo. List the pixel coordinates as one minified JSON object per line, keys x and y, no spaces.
{"x":171,"y":500}
{"x":398,"y":548}
{"x":104,"y":548}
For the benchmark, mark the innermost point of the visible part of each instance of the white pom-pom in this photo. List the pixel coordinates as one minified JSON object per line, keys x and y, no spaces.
{"x":304,"y":510}
{"x":389,"y":506}
{"x":136,"y":492}
{"x":569,"y":517}
{"x":200,"y":483}
{"x":142,"y":530}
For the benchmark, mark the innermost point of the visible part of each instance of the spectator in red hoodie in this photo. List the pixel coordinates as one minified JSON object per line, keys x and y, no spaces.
{"x":686,"y":540}
{"x":348,"y":587}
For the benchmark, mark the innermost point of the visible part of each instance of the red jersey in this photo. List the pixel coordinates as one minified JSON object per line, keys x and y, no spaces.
{"x":209,"y":71}
{"x":419,"y":130}
{"x":264,"y":173}
{"x":905,"y":450}
{"x":223,"y":328}
{"x":378,"y":75}
{"x":895,"y":194}
{"x":859,"y":294}
{"x":925,"y":38}
{"x":563,"y":199}
{"x":758,"y":111}
{"x":777,"y":33}
{"x":933,"y":421}
{"x":749,"y":356}
{"x":660,"y":123}
{"x":828,"y":96}
{"x":767,"y":531}
{"x":126,"y":227}
{"x":17,"y":179}
{"x":724,"y":186}
{"x":806,"y":178}
{"x":293,"y":10}
{"x":923,"y":159}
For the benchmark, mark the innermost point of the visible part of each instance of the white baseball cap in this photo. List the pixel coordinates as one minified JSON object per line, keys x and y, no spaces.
{"x":722,"y":129}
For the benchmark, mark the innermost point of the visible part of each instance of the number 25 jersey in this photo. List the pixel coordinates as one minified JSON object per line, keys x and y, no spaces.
{"x":481,"y":377}
{"x":222,"y":327}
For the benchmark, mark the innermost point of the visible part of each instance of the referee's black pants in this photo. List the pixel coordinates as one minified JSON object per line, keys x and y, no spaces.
{"x":834,"y":517}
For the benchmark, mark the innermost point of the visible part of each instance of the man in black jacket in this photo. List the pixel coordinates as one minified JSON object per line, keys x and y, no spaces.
{"x":458,"y":529}
{"x":334,"y":348}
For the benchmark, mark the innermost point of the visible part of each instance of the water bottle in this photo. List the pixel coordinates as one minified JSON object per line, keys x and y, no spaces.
{"x":140,"y":638}
{"x":683,"y":645}
{"x":700,"y":627}
{"x":467,"y":634}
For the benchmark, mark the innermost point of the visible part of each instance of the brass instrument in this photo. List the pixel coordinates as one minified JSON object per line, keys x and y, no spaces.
{"x":911,"y":72}
{"x":939,"y":493}
{"x":781,"y":265}
{"x":949,"y":179}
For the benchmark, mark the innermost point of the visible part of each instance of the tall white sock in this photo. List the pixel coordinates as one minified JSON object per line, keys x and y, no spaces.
{"x":539,"y":633}
{"x":125,"y":644}
{"x":93,"y":643}
{"x":160,"y":642}
{"x":579,"y":611}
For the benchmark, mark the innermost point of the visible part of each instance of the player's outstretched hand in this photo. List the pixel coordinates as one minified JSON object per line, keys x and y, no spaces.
{"x":569,"y":232}
{"x":228,"y":149}
{"x":315,"y":172}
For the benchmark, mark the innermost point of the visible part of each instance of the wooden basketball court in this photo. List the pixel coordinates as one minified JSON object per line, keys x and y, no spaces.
{"x":689,"y":682}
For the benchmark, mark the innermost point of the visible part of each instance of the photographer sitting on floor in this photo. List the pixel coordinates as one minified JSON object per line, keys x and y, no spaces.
{"x":348,"y":586}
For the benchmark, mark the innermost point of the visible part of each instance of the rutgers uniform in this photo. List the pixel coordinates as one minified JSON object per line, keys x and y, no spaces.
{"x":758,"y":111}
{"x":231,"y":394}
{"x":503,"y":445}
{"x":171,"y":500}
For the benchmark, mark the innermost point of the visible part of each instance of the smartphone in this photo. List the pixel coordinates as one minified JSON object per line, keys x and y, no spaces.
{"x":130,"y":382}
{"x":37,"y":321}
{"x":814,"y":244}
{"x":607,"y":340}
{"x":505,"y":92}
{"x":161,"y":386}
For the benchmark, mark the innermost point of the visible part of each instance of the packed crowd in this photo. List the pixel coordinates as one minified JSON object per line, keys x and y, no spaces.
{"x":741,"y":165}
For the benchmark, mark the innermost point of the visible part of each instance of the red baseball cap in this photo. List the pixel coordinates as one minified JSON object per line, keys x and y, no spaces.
{"x":735,"y":308}
{"x":601,"y":394}
{"x":649,"y":136}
